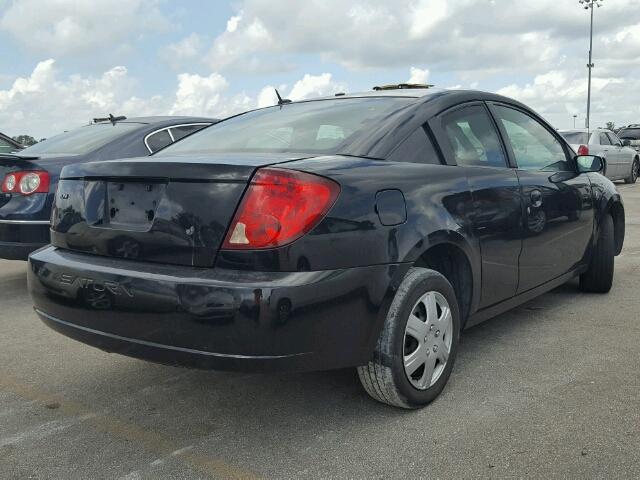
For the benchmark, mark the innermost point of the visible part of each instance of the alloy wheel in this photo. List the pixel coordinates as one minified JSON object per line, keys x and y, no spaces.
{"x":427,"y":340}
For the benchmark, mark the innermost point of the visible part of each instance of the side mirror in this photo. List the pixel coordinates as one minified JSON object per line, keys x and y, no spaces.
{"x":589,"y":163}
{"x":626,"y":142}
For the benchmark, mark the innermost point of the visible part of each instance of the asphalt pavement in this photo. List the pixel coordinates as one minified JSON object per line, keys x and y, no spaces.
{"x":548,"y":390}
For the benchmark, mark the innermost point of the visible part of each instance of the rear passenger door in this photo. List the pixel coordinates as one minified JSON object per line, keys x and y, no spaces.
{"x":558,"y":209}
{"x":469,"y":139}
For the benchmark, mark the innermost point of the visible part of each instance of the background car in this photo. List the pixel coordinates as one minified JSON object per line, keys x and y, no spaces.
{"x":631,"y":136}
{"x":29,"y":178}
{"x":622,"y":162}
{"x":362,"y":230}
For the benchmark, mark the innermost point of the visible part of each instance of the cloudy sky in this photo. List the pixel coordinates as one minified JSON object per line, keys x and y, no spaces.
{"x":65,"y":62}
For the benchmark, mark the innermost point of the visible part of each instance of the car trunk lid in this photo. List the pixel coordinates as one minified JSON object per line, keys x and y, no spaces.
{"x":175,"y":210}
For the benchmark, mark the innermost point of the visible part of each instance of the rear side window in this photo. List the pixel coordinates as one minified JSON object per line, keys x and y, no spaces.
{"x":158,"y":140}
{"x":6,"y":147}
{"x":534,"y":147}
{"x":614,"y":139}
{"x":630,"y":133}
{"x":604,"y":140}
{"x":473,"y":138}
{"x":417,"y":148}
{"x":184,"y":130}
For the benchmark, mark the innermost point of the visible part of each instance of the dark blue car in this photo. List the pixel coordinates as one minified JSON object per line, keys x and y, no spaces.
{"x":29,"y":178}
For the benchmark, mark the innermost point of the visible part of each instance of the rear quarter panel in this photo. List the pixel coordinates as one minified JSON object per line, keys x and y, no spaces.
{"x":438,"y":203}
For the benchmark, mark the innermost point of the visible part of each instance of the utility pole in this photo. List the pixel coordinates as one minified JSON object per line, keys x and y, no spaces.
{"x":589,"y":4}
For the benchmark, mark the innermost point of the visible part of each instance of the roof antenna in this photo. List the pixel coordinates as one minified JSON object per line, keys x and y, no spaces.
{"x":281,"y":101}
{"x":110,"y":118}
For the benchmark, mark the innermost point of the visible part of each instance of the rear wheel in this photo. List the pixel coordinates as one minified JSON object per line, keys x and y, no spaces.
{"x":599,"y":277}
{"x":418,"y":344}
{"x":635,"y":172}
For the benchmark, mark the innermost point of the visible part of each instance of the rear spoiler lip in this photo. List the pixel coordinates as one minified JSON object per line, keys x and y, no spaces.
{"x":11,"y":156}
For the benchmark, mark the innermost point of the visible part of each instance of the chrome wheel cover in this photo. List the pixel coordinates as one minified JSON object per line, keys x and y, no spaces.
{"x":427,"y":340}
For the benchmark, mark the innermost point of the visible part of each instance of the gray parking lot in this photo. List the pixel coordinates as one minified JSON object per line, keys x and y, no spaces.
{"x":551,"y":389}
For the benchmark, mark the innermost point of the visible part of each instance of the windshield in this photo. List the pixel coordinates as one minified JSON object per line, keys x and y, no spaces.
{"x":630,"y":133}
{"x":576,"y":138}
{"x":81,"y":141}
{"x":318,"y":126}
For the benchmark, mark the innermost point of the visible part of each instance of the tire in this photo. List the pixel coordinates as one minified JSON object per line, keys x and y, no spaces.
{"x":635,"y":171}
{"x":385,"y":377}
{"x":599,"y":277}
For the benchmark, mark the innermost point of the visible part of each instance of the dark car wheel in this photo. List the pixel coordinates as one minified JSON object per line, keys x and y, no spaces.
{"x":599,"y":277}
{"x":635,"y":172}
{"x":418,"y":344}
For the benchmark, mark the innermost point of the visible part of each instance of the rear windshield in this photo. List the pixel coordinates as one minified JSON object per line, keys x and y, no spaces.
{"x":81,"y":141}
{"x":576,"y":138}
{"x":318,"y":126}
{"x":630,"y":133}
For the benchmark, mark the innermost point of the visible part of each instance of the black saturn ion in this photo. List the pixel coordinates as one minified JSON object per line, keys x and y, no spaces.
{"x":363,"y":230}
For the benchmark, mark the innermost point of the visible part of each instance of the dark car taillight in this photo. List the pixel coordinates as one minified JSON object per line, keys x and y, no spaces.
{"x":26,"y":183}
{"x":279,"y":207}
{"x":583,"y":150}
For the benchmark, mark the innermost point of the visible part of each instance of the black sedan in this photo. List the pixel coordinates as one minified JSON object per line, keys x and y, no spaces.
{"x":29,"y":178}
{"x":363,"y":230}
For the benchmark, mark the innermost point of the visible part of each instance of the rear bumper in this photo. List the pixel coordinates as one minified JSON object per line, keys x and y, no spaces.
{"x":212,"y":318}
{"x":18,"y":251}
{"x":19,"y":238}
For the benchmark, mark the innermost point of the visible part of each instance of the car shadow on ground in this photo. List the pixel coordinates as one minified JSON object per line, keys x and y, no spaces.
{"x":323,"y":399}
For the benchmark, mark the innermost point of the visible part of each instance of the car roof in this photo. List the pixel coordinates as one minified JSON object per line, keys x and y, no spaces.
{"x":584,"y":130}
{"x":400,"y":92}
{"x":167,"y":119}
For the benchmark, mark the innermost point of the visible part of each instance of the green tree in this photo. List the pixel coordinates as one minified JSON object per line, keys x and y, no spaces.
{"x":611,"y":126}
{"x":26,"y":140}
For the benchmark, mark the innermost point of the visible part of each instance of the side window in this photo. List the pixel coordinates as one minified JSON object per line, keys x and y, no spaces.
{"x":184,"y":130}
{"x":416,"y":148}
{"x":534,"y":147}
{"x":604,"y":139}
{"x":158,"y":140}
{"x":614,"y":139}
{"x":473,"y":138}
{"x":6,"y":147}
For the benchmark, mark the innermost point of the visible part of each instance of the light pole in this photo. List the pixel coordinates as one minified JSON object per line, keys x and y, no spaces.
{"x":574,"y":120}
{"x":589,"y":4}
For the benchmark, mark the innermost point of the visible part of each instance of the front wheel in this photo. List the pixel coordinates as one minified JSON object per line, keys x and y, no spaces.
{"x":418,"y":344}
{"x":635,"y":172}
{"x":599,"y":276}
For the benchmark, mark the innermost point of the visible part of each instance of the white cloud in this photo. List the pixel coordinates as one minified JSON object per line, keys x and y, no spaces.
{"x":418,"y":75}
{"x":68,"y":27}
{"x":45,"y":103}
{"x":315,"y":86}
{"x":183,"y":52}
{"x":558,"y":95}
{"x":473,"y":37}
{"x":232,"y":23}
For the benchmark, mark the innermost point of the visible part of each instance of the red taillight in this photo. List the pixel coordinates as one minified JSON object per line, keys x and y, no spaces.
{"x":583,"y":150}
{"x":26,"y":183}
{"x":279,"y":207}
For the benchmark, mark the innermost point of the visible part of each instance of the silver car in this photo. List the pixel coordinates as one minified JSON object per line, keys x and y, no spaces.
{"x":622,"y":162}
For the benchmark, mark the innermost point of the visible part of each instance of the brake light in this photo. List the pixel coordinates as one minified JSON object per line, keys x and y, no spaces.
{"x":279,"y":207}
{"x":26,"y":183}
{"x":583,"y":150}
